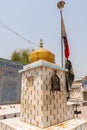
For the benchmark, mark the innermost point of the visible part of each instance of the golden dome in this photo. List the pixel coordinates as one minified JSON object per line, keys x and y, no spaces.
{"x":41,"y":54}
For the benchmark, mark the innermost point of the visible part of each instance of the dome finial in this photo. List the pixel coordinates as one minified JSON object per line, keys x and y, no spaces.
{"x":61,"y":4}
{"x":41,"y":43}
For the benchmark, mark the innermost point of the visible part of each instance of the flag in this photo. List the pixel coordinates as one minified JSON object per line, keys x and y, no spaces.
{"x":64,"y":36}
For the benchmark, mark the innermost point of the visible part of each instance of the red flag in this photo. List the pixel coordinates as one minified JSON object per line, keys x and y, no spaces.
{"x":66,"y":45}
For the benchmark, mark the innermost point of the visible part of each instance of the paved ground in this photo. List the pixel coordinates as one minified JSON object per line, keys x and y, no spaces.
{"x":15,"y":123}
{"x":83,"y":109}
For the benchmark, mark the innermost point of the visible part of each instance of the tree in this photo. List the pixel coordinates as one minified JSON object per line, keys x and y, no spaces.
{"x":21,"y":56}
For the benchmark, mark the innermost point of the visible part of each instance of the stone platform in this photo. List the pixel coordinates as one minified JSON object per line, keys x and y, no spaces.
{"x":16,"y":124}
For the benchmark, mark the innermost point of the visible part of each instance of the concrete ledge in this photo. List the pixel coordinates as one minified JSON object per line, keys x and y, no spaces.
{"x":16,"y":124}
{"x":41,"y":63}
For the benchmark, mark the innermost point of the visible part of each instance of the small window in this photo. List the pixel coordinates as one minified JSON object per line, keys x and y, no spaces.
{"x":30,"y":81}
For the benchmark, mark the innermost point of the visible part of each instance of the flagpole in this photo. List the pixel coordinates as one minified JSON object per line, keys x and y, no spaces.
{"x":61,"y":6}
{"x":62,"y":45}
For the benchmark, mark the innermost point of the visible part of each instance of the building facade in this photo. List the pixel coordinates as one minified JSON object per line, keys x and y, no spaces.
{"x":79,"y":90}
{"x":10,"y":81}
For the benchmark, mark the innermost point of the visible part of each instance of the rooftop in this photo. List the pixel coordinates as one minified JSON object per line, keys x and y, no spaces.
{"x":10,"y":61}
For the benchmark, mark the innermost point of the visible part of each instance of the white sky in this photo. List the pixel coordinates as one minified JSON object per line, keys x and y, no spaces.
{"x":35,"y":19}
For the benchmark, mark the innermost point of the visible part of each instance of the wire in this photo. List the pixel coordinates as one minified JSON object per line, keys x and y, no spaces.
{"x":22,"y":37}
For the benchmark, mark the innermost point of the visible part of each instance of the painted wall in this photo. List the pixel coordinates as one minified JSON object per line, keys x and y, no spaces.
{"x":10,"y":81}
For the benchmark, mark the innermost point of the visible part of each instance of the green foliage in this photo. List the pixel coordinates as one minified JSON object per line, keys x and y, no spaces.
{"x":21,"y":56}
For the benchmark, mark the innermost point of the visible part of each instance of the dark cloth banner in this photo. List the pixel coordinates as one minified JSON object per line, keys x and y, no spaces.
{"x":69,"y":75}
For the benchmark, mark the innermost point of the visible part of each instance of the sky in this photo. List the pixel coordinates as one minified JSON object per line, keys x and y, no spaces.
{"x":36,"y":19}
